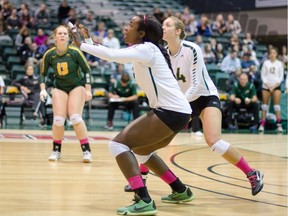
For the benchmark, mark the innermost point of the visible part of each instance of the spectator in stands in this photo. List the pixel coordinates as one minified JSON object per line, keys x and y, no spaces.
{"x":235,"y":42}
{"x":72,"y":17}
{"x":199,"y":42}
{"x":219,"y":53}
{"x":4,"y":37}
{"x":63,"y":11}
{"x":26,"y":17}
{"x":100,"y":31}
{"x":231,"y":65}
{"x":233,"y":25}
{"x":191,"y":27}
{"x":208,"y":54}
{"x":90,"y":21}
{"x":13,"y":22}
{"x":284,"y":57}
{"x":40,"y":37}
{"x":122,"y":92}
{"x":24,"y":7}
{"x":186,"y":16}
{"x":42,"y":17}
{"x":30,"y":55}
{"x":158,"y":14}
{"x":249,"y":67}
{"x":6,"y":10}
{"x":111,"y":41}
{"x":243,"y":95}
{"x":272,"y":74}
{"x":48,"y":43}
{"x":203,"y":27}
{"x":117,"y":74}
{"x":30,"y":89}
{"x":248,"y":41}
{"x":20,"y":38}
{"x":219,"y":25}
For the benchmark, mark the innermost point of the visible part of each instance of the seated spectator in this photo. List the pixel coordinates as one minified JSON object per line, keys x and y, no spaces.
{"x":13,"y":22}
{"x":248,"y":66}
{"x":4,"y":37}
{"x":122,"y":92}
{"x":186,"y":16}
{"x":30,"y":55}
{"x":117,"y":74}
{"x":101,"y":32}
{"x":63,"y":11}
{"x":26,"y":18}
{"x":30,"y":88}
{"x":284,"y":57}
{"x":199,"y":42}
{"x":233,"y":25}
{"x":248,"y":41}
{"x":203,"y":27}
{"x":219,"y":53}
{"x":191,"y":27}
{"x":40,"y":37}
{"x":158,"y":14}
{"x":6,"y":9}
{"x":89,"y":22}
{"x":208,"y":55}
{"x":111,"y":41}
{"x":235,"y":42}
{"x":42,"y":17}
{"x":231,"y":65}
{"x":219,"y":25}
{"x":20,"y":38}
{"x":72,"y":17}
{"x":48,"y":43}
{"x":243,"y":95}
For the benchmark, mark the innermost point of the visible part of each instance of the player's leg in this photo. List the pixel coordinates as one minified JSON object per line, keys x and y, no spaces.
{"x":59,"y":100}
{"x":265,"y":107}
{"x":76,"y":103}
{"x":211,"y":120}
{"x":277,"y":108}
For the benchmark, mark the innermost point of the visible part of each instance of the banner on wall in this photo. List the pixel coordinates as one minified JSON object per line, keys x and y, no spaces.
{"x":270,"y":3}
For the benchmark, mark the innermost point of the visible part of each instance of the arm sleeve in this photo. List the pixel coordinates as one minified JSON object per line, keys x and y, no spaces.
{"x":84,"y":66}
{"x":137,"y":53}
{"x":196,"y":67}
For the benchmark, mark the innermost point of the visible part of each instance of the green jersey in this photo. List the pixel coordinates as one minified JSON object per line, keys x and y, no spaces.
{"x":66,"y":68}
{"x":123,"y":91}
{"x":247,"y":91}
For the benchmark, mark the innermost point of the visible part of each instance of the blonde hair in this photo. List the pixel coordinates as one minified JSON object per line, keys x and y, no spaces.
{"x":179,"y":25}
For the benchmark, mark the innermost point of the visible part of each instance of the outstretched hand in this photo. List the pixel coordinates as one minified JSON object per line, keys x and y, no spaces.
{"x":76,"y":37}
{"x":83,"y":31}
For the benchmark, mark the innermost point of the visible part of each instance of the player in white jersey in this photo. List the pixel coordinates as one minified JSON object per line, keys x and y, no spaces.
{"x":272,"y":74}
{"x":190,"y":70}
{"x":170,"y":110}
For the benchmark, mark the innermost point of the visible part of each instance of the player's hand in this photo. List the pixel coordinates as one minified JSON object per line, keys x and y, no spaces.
{"x":43,"y":95}
{"x":83,"y":31}
{"x":88,"y":96}
{"x":76,"y":37}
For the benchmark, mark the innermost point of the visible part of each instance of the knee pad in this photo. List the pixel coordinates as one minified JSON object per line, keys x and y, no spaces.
{"x":116,"y":148}
{"x":265,"y":107}
{"x":76,"y":119}
{"x":220,"y":147}
{"x":59,"y":121}
{"x":277,"y":108}
{"x":142,"y":159}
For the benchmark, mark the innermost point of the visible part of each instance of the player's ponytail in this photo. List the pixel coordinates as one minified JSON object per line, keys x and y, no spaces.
{"x":153,"y":33}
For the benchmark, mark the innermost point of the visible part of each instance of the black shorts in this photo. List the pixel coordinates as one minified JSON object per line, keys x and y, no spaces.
{"x":202,"y":102}
{"x":176,"y":121}
{"x":277,"y":88}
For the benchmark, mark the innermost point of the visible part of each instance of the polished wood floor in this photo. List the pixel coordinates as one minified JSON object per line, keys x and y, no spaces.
{"x":30,"y":185}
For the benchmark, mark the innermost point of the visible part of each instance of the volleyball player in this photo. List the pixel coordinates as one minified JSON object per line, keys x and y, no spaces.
{"x":71,"y":90}
{"x":170,"y":111}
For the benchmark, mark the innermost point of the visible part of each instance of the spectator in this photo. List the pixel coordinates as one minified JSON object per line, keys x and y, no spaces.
{"x":219,"y":53}
{"x":234,"y":42}
{"x":63,"y":11}
{"x":208,"y":55}
{"x":101,"y":32}
{"x":30,"y":55}
{"x":233,"y":25}
{"x":158,"y":14}
{"x":48,"y":43}
{"x":284,"y":57}
{"x":40,"y":37}
{"x":26,"y":18}
{"x":4,"y":37}
{"x":20,"y":38}
{"x":117,"y":74}
{"x":199,"y":42}
{"x":272,"y":74}
{"x":203,"y":27}
{"x":72,"y":17}
{"x":186,"y":16}
{"x":248,"y":66}
{"x":13,"y":22}
{"x":30,"y":89}
{"x":248,"y":41}
{"x":122,"y":92}
{"x":231,"y":65}
{"x":111,"y":41}
{"x":6,"y":10}
{"x":89,"y":21}
{"x":191,"y":27}
{"x":243,"y":95}
{"x":42,"y":17}
{"x":219,"y":25}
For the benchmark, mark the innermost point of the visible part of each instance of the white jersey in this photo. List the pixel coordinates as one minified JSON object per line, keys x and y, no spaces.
{"x":190,"y":70}
{"x":272,"y":73}
{"x":152,"y":73}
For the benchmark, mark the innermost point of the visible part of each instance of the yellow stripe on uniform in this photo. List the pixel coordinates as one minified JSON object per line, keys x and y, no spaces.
{"x":43,"y":62}
{"x":81,"y":54}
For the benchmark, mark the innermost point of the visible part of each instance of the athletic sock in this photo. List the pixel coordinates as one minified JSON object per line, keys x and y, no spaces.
{"x":139,"y":188}
{"x":57,"y":145}
{"x":85,"y":145}
{"x":244,"y":166}
{"x":173,"y":181}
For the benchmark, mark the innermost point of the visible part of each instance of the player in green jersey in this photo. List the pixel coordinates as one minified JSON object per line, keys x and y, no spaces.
{"x":72,"y":87}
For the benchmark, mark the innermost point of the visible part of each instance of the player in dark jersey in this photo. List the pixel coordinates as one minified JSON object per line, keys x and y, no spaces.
{"x":72,"y":89}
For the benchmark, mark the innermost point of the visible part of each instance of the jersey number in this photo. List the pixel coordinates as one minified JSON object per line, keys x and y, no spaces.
{"x":62,"y":68}
{"x":180,"y":76}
